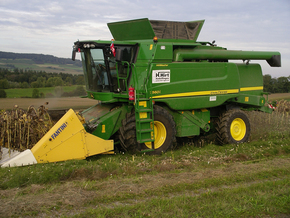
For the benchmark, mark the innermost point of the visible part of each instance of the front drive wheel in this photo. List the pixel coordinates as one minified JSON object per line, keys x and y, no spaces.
{"x":233,"y":127}
{"x":164,"y":132}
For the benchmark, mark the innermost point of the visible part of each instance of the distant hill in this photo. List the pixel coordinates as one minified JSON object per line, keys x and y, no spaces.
{"x":39,"y":58}
{"x":39,"y":62}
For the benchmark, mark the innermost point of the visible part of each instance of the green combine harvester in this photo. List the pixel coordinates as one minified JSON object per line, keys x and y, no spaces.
{"x":155,"y":82}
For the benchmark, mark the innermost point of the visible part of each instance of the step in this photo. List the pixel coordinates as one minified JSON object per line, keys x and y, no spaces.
{"x":144,"y":130}
{"x":145,"y":120}
{"x":146,"y":140}
{"x":144,"y":110}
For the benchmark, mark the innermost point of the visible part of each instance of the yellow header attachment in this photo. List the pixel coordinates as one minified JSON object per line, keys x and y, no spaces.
{"x":66,"y":140}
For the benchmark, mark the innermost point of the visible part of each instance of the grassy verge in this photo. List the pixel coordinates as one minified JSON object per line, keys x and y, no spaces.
{"x":165,"y":187}
{"x":244,"y":200}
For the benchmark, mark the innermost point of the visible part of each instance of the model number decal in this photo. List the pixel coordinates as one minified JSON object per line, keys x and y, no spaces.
{"x":161,"y":76}
{"x":156,"y":92}
{"x":212,"y":98}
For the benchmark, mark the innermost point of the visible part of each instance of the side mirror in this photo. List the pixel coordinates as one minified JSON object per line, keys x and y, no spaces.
{"x":74,"y":54}
{"x":119,"y":54}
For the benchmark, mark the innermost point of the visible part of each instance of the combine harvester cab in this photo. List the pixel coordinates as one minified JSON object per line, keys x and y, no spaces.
{"x":155,"y":82}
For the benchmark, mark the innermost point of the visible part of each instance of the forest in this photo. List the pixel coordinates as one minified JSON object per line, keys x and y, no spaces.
{"x":276,"y":85}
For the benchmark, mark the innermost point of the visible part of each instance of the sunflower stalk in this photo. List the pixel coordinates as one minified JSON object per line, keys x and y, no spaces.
{"x":21,"y":130}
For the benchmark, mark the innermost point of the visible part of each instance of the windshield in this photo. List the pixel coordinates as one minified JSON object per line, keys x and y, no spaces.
{"x":102,"y":72}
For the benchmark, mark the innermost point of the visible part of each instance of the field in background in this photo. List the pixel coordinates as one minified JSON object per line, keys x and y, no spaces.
{"x":13,"y":98}
{"x":53,"y":103}
{"x":31,"y":65}
{"x":27,"y":92}
{"x":280,"y":96}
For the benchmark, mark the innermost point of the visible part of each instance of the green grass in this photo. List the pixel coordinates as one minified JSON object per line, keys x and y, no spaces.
{"x":18,"y":93}
{"x":243,"y":201}
{"x":257,"y":187}
{"x":104,"y":166}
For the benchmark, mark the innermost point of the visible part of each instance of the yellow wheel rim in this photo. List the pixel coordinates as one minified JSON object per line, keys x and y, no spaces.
{"x":238,"y":129}
{"x":159,"y":135}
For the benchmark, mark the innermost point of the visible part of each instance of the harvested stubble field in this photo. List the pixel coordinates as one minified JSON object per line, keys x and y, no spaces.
{"x":53,"y":103}
{"x":246,"y":180}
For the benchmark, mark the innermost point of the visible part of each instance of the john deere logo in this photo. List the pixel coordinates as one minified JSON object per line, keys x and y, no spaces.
{"x":92,"y":96}
{"x":160,"y":76}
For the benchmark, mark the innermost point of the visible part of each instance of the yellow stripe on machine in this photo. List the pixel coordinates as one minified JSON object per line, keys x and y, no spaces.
{"x":212,"y":92}
{"x":256,"y":88}
{"x":188,"y":94}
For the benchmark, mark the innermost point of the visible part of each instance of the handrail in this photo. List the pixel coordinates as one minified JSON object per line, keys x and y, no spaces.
{"x":125,"y":78}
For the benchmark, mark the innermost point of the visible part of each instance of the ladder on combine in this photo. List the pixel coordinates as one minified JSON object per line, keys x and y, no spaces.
{"x":144,"y":115}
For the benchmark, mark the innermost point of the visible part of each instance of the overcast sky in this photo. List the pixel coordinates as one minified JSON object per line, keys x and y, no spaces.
{"x":51,"y":27}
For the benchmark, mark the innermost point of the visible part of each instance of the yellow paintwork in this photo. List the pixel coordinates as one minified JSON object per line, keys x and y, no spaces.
{"x":143,"y":103}
{"x":187,"y":94}
{"x":68,"y":140}
{"x":238,"y":129}
{"x":160,"y":135}
{"x":212,"y":92}
{"x":143,"y":115}
{"x":251,"y":88}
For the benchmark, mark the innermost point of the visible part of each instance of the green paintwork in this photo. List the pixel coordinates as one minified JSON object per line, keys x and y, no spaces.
{"x":147,"y":29}
{"x":104,"y":120}
{"x":217,"y":53}
{"x":178,"y":73}
{"x":189,"y":123}
{"x":144,"y":119}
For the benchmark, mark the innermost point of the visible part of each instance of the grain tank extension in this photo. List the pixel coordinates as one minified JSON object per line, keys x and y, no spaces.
{"x":155,"y":82}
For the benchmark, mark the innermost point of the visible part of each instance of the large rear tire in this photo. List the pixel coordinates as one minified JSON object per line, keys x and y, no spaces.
{"x":233,"y":127}
{"x":164,"y":132}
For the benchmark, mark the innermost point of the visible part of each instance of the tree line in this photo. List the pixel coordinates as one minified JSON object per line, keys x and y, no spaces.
{"x":276,"y":85}
{"x":23,"y":78}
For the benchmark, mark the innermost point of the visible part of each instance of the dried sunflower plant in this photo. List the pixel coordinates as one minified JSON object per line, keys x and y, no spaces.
{"x":22,"y":129}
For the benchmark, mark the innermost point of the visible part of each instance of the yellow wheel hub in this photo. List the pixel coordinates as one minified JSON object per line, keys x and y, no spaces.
{"x":238,"y":129}
{"x":159,"y":135}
